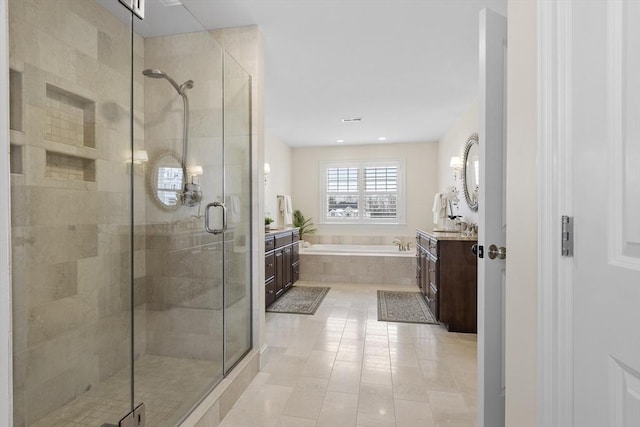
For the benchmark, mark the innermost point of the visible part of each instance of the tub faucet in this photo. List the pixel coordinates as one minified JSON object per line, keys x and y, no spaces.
{"x":402,"y":247}
{"x":399,"y":243}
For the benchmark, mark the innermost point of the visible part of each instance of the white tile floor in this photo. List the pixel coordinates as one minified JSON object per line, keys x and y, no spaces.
{"x":341,"y":367}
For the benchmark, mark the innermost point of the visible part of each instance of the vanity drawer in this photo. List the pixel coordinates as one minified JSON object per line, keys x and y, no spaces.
{"x":296,"y":235}
{"x":269,"y":292}
{"x":269,"y":243}
{"x":269,"y":266}
{"x":433,"y":247}
{"x":283,"y":240}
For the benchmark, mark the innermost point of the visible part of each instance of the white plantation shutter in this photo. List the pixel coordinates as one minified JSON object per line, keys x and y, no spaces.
{"x":362,"y":192}
{"x":381,"y":190}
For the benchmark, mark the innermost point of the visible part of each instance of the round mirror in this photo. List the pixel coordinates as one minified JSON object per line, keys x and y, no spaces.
{"x":167,"y":180}
{"x":471,"y":172}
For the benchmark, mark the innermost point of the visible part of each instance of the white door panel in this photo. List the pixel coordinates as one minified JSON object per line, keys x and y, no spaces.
{"x":605,"y":97}
{"x":491,"y":219}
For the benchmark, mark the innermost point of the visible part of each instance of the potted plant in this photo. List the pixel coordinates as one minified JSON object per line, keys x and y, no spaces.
{"x":305,"y":225}
{"x":267,"y":223}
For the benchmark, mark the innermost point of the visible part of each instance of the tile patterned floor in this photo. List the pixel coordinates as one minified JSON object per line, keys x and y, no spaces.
{"x":167,"y":385}
{"x":341,"y":367}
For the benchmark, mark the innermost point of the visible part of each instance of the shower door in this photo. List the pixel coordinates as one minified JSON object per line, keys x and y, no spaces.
{"x":237,"y":193}
{"x":194,"y":302}
{"x":71,"y":174}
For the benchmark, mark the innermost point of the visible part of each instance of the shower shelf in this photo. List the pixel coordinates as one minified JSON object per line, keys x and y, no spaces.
{"x":67,"y":167}
{"x":15,"y":159}
{"x":70,"y":118}
{"x":15,"y":100}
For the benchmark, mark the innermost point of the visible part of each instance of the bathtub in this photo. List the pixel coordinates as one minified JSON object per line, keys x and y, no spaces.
{"x":373,"y":264}
{"x":366,"y":250}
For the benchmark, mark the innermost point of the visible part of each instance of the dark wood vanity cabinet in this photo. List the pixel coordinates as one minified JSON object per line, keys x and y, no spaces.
{"x":446,"y":274}
{"x":281,"y":263}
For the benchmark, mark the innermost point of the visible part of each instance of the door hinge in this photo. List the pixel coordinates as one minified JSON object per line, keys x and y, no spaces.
{"x":135,"y":6}
{"x":567,"y":236}
{"x":135,"y":418}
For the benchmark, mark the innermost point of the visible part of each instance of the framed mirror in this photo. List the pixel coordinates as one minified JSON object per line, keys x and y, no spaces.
{"x":471,"y":172}
{"x":166,"y":180}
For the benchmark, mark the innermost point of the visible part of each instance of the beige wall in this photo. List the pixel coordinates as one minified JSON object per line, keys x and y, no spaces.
{"x":278,"y":155}
{"x":522,"y":210}
{"x":421,"y":160}
{"x":452,"y":144}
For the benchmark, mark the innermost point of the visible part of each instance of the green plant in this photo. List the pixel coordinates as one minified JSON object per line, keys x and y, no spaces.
{"x":267,"y":220}
{"x":305,"y":225}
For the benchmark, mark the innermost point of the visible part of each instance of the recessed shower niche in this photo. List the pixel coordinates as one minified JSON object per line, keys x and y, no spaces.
{"x":70,"y":168}
{"x":70,"y":118}
{"x":15,"y":100}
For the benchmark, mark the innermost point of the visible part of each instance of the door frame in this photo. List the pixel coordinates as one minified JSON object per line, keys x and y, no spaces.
{"x":555,"y":198}
{"x":6,"y":385}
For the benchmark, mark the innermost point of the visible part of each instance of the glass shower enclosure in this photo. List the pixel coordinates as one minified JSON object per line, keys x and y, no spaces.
{"x":131,"y":212}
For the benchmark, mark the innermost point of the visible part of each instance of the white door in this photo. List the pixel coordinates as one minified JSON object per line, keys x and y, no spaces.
{"x":604,"y":94}
{"x":491,"y":219}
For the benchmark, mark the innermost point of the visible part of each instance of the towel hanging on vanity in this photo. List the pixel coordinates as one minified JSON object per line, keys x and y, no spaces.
{"x":439,"y":208}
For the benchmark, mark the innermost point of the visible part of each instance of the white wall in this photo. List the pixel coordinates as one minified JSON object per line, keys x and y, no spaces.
{"x":522,"y":211}
{"x":278,"y":155}
{"x":452,"y":144}
{"x":421,"y":178}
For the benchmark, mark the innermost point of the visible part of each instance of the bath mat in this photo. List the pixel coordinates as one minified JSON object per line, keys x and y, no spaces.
{"x":299,"y":300}
{"x":408,"y":307}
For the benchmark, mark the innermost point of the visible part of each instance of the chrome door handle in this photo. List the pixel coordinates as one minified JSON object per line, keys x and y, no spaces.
{"x":499,"y":252}
{"x":224,"y":218}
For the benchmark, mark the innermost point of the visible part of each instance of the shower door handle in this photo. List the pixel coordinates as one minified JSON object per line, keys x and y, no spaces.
{"x":224,"y":218}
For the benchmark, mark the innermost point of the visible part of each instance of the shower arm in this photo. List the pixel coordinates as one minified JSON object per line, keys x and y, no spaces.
{"x":185,"y":131}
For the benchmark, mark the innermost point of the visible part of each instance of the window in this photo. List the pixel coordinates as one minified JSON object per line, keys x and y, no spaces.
{"x":362,"y":192}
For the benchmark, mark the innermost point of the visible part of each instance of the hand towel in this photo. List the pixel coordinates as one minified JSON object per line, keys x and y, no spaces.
{"x":438,"y":211}
{"x":286,"y":209}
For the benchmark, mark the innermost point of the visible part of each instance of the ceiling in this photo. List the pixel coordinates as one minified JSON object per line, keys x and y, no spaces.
{"x":408,"y":68}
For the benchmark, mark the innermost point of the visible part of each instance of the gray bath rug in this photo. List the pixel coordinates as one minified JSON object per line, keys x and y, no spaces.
{"x":409,"y":307}
{"x":299,"y":300}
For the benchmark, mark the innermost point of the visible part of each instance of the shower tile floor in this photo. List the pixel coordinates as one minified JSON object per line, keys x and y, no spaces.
{"x":168,"y":387}
{"x":342,"y":367}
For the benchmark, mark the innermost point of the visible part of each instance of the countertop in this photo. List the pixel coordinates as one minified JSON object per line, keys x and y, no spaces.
{"x":449,"y":235}
{"x":274,"y":231}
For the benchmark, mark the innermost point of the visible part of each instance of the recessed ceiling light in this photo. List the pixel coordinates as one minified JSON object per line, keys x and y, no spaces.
{"x":382,"y":138}
{"x":339,"y":140}
{"x":351,"y":119}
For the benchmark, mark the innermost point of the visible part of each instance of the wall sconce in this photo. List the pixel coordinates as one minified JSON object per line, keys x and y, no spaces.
{"x":267,"y":171}
{"x":140,"y":157}
{"x":194,"y":171}
{"x":456,"y":164}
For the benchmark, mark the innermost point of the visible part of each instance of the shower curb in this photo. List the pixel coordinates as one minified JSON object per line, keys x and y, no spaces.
{"x":217,"y":404}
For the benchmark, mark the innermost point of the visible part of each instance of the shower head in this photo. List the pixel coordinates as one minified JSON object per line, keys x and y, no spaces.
{"x":154,"y":74}
{"x":159,"y":74}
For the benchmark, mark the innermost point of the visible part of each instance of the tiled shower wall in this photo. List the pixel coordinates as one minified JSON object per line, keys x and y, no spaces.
{"x":71,"y":210}
{"x":184,"y":267}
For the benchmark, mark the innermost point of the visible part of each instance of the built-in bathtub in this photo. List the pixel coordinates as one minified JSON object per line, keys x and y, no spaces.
{"x":375,"y":264}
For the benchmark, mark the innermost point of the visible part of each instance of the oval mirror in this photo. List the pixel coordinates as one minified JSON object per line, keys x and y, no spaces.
{"x":471,"y":172}
{"x":167,"y":180}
